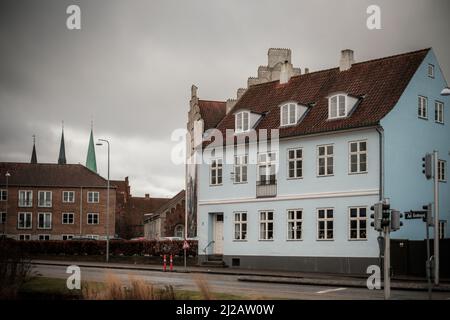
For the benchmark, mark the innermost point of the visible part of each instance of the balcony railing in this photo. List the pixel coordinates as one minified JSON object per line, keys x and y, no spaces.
{"x":266,"y":188}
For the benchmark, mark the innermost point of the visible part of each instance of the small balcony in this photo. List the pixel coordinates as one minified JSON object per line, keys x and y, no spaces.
{"x":266,"y":187}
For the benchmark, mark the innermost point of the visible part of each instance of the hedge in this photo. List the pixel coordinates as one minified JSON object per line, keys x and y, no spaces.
{"x":117,"y":247}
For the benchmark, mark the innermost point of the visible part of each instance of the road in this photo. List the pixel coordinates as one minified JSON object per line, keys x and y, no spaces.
{"x":231,"y":285}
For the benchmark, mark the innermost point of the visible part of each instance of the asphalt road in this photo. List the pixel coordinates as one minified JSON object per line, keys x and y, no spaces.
{"x":230,"y":284}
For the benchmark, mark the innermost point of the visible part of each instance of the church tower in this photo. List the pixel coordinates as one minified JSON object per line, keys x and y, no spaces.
{"x":91,"y":162}
{"x":62,"y":149}
{"x":33,"y":154}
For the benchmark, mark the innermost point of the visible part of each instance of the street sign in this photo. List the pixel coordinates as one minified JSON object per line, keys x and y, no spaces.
{"x":416,"y":214}
{"x":186,"y":245}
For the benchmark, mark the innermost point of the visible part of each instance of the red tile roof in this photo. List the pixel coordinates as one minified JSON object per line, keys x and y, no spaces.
{"x":379,"y":82}
{"x":212,"y":112}
{"x":50,"y":175}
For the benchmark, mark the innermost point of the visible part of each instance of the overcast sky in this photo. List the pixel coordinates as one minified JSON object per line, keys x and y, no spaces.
{"x":131,"y":65}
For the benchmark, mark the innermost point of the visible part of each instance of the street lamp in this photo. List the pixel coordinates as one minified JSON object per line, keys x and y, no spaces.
{"x":107,"y":203}
{"x":7,"y":175}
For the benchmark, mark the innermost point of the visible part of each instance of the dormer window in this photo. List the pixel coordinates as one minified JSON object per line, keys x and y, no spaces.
{"x":337,"y":106}
{"x":288,"y":114}
{"x":242,"y":121}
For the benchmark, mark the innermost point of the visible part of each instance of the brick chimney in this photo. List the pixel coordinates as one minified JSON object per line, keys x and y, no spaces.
{"x":346,"y":60}
{"x":147,"y":196}
{"x":285,"y":75}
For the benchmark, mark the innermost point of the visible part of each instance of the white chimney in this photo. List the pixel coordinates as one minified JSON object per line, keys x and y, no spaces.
{"x":284,"y":73}
{"x":346,"y":60}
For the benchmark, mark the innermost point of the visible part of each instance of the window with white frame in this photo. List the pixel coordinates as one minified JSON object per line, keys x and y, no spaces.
{"x":2,"y":217}
{"x":266,"y":225}
{"x":337,"y":106}
{"x":267,"y":168}
{"x":3,"y":195}
{"x":67,"y":236}
{"x":44,"y":237}
{"x":442,"y":225}
{"x":68,"y":218}
{"x":325,"y":160}
{"x":240,"y":169}
{"x":295,"y":163}
{"x":179,"y":231}
{"x":92,"y":218}
{"x":325,"y":224}
{"x":439,"y":112}
{"x":68,"y":196}
{"x":288,"y":114}
{"x":24,"y":237}
{"x":93,"y":196}
{"x":240,"y":226}
{"x":358,"y":223}
{"x":423,"y":107}
{"x":216,"y":172}
{"x":44,"y":220}
{"x":25,"y":198}
{"x":431,"y":70}
{"x":294,"y":224}
{"x":358,"y":156}
{"x":24,"y":220}
{"x":442,"y":176}
{"x":242,"y":121}
{"x":45,"y":199}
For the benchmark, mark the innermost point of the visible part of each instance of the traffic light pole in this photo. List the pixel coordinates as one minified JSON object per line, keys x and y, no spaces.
{"x":387,"y":264}
{"x":428,"y":262}
{"x":436,"y":217}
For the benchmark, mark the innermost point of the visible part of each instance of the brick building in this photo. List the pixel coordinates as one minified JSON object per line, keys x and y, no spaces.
{"x":168,"y":220}
{"x":54,"y":202}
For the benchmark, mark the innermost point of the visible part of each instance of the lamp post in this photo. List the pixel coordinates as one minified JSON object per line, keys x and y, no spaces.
{"x":7,"y":175}
{"x":107,"y":203}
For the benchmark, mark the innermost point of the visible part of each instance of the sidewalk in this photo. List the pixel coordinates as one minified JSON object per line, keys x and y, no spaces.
{"x":265,"y":276}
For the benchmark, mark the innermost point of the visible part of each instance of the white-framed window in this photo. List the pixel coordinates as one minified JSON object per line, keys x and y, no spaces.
{"x":288,"y":114}
{"x":93,"y":196}
{"x":358,"y":223}
{"x":44,"y":237}
{"x":92,"y":236}
{"x":325,"y":160}
{"x":240,"y":169}
{"x":439,"y":112}
{"x":242,"y":121}
{"x":24,"y":220}
{"x":25,"y":198}
{"x":431,"y":70}
{"x":45,"y":199}
{"x":442,"y":225}
{"x":44,"y":220}
{"x":266,"y":225}
{"x":179,"y":231}
{"x":267,"y":167}
{"x":67,"y":236}
{"x":68,"y":218}
{"x":325,"y":224}
{"x":68,"y":196}
{"x":2,"y":217}
{"x":240,"y":226}
{"x":295,"y":163}
{"x":337,"y":106}
{"x":442,"y":175}
{"x":358,"y":156}
{"x":216,"y":172}
{"x":294,"y":224}
{"x":3,"y":195}
{"x":92,"y":218}
{"x":24,"y":237}
{"x":422,"y":107}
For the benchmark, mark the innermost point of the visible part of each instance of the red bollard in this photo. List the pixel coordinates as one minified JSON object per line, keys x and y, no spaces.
{"x":171,"y":263}
{"x":165,"y":263}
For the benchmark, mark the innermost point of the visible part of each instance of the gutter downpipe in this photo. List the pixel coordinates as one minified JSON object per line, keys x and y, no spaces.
{"x":380,"y":131}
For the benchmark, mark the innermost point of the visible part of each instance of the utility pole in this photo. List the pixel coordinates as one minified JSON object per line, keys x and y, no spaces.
{"x":436,"y":217}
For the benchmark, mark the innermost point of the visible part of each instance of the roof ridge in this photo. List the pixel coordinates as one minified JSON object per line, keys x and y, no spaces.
{"x":211,"y":100}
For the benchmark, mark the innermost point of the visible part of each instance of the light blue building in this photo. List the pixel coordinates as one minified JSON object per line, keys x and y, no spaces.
{"x":348,"y":137}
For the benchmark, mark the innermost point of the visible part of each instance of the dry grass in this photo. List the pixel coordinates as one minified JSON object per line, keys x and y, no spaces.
{"x":203,"y":286}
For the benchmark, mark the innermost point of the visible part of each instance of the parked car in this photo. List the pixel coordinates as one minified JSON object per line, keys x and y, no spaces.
{"x":138,"y":239}
{"x":171,"y":239}
{"x":81,"y":238}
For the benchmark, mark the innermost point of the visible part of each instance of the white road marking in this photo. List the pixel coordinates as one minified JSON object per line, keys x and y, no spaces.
{"x":331,"y":290}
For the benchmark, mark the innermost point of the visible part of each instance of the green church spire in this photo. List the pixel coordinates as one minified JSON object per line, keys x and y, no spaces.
{"x":62,"y":149}
{"x":33,"y":154}
{"x":91,"y":162}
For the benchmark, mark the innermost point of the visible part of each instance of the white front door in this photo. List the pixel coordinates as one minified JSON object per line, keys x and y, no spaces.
{"x":218,"y":233}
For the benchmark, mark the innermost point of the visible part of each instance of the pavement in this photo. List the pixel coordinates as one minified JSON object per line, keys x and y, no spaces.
{"x":263,"y":276}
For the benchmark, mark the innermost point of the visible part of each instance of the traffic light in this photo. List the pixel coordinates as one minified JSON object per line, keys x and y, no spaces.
{"x":377,"y":216}
{"x":429,"y":217}
{"x":395,"y":220}
{"x":385,"y":222}
{"x":427,"y":165}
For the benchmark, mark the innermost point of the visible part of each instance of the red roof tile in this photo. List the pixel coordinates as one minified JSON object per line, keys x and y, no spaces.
{"x":212,"y":112}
